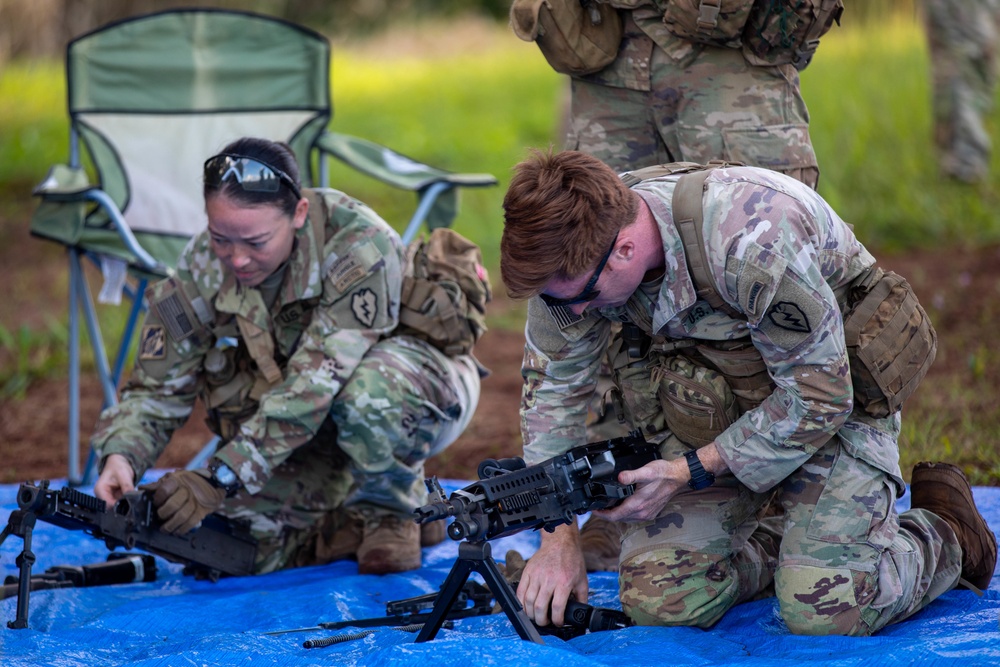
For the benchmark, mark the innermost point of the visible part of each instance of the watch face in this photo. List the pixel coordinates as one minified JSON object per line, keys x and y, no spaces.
{"x":224,"y":474}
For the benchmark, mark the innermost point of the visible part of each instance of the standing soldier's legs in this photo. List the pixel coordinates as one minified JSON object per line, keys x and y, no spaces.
{"x":962,"y":37}
{"x":406,"y":402}
{"x":720,"y":107}
{"x":615,"y":125}
{"x":849,"y":564}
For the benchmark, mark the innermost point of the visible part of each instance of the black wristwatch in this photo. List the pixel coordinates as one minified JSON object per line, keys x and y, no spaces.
{"x":700,"y":478}
{"x":224,"y":477}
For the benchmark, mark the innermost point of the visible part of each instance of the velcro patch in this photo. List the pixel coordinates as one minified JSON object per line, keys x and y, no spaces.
{"x":176,"y":317}
{"x":756,"y":279}
{"x":152,"y":342}
{"x":352,"y":268}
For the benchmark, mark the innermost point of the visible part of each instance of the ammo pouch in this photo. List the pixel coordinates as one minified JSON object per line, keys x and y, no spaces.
{"x":891,"y":342}
{"x":782,"y":31}
{"x":576,"y":37}
{"x":231,"y":390}
{"x":742,"y":366}
{"x":713,"y":22}
{"x":697,"y":403}
{"x":662,"y":388}
{"x":770,"y":32}
{"x":445,"y":292}
{"x":636,"y":388}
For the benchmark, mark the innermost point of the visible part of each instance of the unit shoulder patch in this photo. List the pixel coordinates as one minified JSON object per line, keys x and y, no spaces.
{"x":364,"y":305}
{"x":153,"y":342}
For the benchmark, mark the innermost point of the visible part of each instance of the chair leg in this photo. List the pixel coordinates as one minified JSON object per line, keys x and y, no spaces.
{"x":81,"y":300}
{"x":75,"y":275}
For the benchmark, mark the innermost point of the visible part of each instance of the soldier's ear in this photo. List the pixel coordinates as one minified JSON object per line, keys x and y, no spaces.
{"x":301,"y":213}
{"x":624,"y":249}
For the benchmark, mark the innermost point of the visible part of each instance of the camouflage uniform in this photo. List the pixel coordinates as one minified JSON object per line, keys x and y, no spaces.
{"x":840,"y":557}
{"x":341,"y":412}
{"x":963,"y":36}
{"x":665,"y":99}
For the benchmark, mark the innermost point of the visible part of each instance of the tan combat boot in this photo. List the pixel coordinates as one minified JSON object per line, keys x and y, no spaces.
{"x":338,"y":537}
{"x":389,"y":544}
{"x":601,"y":543}
{"x":941,"y":488}
{"x":432,"y":532}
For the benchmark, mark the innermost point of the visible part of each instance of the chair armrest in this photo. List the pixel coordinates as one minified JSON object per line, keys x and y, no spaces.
{"x":391,"y":167}
{"x":438,"y":198}
{"x":64,"y":183}
{"x":66,"y":193}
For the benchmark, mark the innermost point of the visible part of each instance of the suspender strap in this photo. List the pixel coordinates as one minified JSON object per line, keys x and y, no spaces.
{"x":260,"y":344}
{"x":689,"y":219}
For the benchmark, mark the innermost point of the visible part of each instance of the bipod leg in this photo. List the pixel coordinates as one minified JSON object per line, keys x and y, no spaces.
{"x":477,"y":556}
{"x":21,"y":523}
{"x":453,"y":585}
{"x":504,"y":594}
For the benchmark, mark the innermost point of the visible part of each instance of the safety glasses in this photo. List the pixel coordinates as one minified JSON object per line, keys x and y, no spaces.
{"x":252,"y":175}
{"x":588,"y":293}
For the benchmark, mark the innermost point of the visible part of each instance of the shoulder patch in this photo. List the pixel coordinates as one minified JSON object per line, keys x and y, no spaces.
{"x":364,"y":305}
{"x":794,"y":315}
{"x":789,"y":316}
{"x":152,"y":342}
{"x":352,"y":268}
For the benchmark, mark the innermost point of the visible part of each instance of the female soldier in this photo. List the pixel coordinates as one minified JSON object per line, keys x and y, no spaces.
{"x":282,"y":317}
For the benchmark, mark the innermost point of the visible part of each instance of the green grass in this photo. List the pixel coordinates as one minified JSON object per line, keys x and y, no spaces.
{"x":869,"y":97}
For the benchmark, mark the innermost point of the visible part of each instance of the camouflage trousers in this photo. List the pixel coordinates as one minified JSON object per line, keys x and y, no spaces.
{"x":964,"y":38}
{"x":713,"y":107}
{"x":406,"y":402}
{"x":828,"y":542}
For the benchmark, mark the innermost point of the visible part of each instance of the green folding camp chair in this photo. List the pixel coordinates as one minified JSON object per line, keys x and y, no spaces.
{"x":150,"y":98}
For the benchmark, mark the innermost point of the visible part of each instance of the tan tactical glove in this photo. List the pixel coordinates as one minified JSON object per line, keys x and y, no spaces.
{"x":183,"y":498}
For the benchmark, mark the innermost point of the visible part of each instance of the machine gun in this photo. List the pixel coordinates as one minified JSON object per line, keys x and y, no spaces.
{"x":217,"y":547}
{"x":510,"y":497}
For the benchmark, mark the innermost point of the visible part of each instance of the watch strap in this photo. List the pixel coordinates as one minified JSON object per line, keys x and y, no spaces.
{"x":700,"y":478}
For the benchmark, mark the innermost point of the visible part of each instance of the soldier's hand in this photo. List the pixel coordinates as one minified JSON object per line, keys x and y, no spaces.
{"x":117,"y":478}
{"x":552,"y":575}
{"x":183,"y":498}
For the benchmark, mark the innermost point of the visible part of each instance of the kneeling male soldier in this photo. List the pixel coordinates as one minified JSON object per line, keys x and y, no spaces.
{"x":290,"y":318}
{"x":737,"y":293}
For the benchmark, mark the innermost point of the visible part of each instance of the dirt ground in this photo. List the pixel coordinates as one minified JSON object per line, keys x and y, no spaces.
{"x":959,"y":287}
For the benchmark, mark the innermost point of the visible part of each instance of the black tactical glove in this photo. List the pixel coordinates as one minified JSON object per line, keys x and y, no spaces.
{"x":183,"y":498}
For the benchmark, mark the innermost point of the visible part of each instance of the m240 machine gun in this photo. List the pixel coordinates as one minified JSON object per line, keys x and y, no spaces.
{"x":511,"y":496}
{"x":217,"y":547}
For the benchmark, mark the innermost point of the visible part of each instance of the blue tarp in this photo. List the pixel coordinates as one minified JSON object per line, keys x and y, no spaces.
{"x":178,"y":621}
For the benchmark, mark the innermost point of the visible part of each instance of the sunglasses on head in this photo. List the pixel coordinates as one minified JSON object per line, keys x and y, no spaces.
{"x":588,"y":293}
{"x":252,"y":175}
